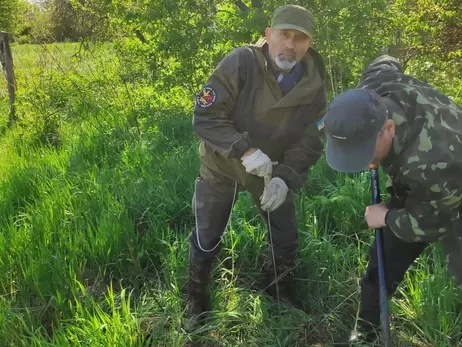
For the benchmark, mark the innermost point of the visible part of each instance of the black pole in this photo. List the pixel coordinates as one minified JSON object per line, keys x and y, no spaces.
{"x":384,"y":318}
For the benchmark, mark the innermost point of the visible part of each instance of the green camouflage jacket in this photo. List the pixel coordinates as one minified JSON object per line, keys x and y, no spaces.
{"x":425,"y":164}
{"x":241,"y":106}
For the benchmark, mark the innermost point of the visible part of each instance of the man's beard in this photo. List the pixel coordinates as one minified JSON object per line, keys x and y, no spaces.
{"x":284,"y":63}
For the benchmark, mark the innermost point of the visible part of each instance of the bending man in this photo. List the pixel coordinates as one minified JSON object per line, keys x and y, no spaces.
{"x":415,"y":133}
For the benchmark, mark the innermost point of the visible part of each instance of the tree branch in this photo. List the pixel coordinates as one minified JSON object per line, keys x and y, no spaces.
{"x":140,"y":36}
{"x":243,"y":7}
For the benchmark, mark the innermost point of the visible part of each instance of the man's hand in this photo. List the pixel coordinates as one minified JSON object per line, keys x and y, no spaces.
{"x":257,"y":163}
{"x":375,"y":215}
{"x":274,"y":194}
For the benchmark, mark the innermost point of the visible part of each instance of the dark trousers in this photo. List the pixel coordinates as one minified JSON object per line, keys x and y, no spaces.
{"x":398,"y":257}
{"x":214,"y":199}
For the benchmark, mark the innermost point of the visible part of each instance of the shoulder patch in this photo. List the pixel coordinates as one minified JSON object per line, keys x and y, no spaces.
{"x":320,"y":124}
{"x":206,"y":97}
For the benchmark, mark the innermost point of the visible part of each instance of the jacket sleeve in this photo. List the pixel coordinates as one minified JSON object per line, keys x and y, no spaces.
{"x":214,"y":103}
{"x":299,"y":158}
{"x":432,"y":206}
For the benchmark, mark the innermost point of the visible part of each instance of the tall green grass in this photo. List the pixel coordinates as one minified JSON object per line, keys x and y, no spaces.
{"x":94,"y":227}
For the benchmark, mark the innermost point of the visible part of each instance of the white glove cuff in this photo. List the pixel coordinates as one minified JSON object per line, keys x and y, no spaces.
{"x":251,"y":157}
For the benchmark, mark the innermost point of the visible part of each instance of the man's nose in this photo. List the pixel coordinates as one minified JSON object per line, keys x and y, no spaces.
{"x":290,"y":43}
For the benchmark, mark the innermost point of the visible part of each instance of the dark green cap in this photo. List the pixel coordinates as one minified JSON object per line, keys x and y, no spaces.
{"x":294,"y":17}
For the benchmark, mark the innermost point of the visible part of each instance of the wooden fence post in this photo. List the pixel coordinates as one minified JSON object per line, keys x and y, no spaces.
{"x":6,"y":59}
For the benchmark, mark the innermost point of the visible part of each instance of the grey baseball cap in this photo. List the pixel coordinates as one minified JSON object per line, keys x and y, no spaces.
{"x":352,"y":124}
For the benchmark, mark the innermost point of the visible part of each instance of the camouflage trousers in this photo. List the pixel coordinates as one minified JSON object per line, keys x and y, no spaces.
{"x":398,"y":257}
{"x":214,"y":198}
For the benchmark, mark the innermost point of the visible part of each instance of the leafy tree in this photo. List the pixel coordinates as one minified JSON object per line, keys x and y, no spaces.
{"x":10,"y":14}
{"x":178,"y":44}
{"x":183,"y":41}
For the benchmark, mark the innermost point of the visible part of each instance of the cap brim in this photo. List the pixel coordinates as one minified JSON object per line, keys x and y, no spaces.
{"x":294,"y":27}
{"x":347,"y":158}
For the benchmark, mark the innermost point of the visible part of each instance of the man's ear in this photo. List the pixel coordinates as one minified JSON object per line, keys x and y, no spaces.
{"x":267,"y":33}
{"x":311,"y":43}
{"x":390,"y":127}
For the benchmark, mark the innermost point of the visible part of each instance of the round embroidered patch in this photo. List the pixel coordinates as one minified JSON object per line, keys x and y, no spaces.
{"x":206,"y":97}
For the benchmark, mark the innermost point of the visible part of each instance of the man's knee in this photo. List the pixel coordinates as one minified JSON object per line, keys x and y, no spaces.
{"x":202,"y":250}
{"x":453,"y":247}
{"x":455,"y":267}
{"x":398,"y":256}
{"x":213,"y":200}
{"x":285,"y":219}
{"x":284,"y":229}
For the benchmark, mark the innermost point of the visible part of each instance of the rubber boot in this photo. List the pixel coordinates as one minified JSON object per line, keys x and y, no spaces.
{"x":198,"y":297}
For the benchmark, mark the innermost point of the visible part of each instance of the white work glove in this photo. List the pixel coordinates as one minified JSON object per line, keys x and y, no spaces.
{"x":274,"y":194}
{"x":258,"y":163}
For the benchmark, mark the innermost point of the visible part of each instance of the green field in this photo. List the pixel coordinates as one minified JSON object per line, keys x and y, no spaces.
{"x":96,"y":181}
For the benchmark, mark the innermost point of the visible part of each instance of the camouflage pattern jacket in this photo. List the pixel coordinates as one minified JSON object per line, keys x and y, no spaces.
{"x":425,"y":163}
{"x":241,"y":106}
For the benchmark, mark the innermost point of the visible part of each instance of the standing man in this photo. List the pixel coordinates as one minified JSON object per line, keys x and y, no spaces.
{"x":260,"y":106}
{"x":415,"y":133}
